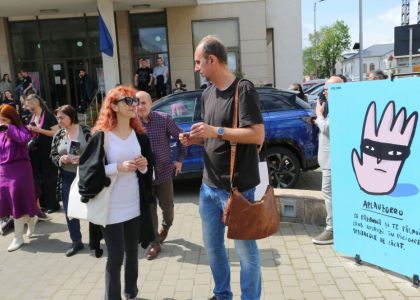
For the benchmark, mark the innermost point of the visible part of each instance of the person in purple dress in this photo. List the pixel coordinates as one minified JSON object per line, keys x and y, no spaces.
{"x":17,"y":186}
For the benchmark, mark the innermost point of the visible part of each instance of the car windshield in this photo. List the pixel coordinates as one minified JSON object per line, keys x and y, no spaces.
{"x":291,"y":96}
{"x":314,"y":88}
{"x":303,"y":103}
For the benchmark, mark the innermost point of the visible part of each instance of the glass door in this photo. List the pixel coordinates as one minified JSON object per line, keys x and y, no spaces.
{"x":57,"y":90}
{"x":73,"y":67}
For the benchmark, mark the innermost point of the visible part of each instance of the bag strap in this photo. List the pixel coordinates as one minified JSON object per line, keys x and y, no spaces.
{"x":106,"y":141}
{"x":234,"y":125}
{"x":261,"y":148}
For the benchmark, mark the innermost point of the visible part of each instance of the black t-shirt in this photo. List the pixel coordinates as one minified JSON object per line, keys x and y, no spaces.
{"x":26,"y":81}
{"x":44,"y":142}
{"x":41,"y":162}
{"x":217,"y":110}
{"x":144,"y":76}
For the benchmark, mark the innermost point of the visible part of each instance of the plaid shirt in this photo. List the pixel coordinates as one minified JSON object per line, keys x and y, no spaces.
{"x":159,"y":129}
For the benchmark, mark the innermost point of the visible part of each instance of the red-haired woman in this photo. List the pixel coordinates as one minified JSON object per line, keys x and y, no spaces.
{"x":17,"y":187}
{"x":127,"y":155}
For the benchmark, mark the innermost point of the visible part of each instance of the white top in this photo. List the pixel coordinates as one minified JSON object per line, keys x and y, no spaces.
{"x":125,"y":195}
{"x":161,"y":70}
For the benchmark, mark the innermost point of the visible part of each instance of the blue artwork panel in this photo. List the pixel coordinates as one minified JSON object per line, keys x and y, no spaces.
{"x":375,"y":161}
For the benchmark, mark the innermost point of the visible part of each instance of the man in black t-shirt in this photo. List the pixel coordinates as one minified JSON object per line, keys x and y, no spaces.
{"x":86,"y":90}
{"x":215,"y":133}
{"x":144,"y":76}
{"x":26,"y":82}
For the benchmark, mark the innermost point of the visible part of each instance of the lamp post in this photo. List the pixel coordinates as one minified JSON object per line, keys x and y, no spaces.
{"x":315,"y":37}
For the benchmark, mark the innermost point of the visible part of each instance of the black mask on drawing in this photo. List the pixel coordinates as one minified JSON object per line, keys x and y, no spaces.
{"x":385,"y":151}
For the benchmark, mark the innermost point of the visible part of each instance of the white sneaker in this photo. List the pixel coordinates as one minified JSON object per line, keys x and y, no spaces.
{"x":324,"y":238}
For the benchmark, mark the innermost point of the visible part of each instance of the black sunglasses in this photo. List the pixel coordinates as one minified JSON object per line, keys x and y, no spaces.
{"x":129,"y":101}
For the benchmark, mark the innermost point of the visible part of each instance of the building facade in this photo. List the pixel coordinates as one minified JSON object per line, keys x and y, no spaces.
{"x":375,"y":57}
{"x":54,"y":39}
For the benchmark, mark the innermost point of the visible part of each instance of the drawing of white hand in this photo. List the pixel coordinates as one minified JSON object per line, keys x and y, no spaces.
{"x":384,"y":149}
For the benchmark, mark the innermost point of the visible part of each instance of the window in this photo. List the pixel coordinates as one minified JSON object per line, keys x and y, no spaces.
{"x":71,"y":43}
{"x":149,"y":39}
{"x":148,"y":34}
{"x":153,"y":39}
{"x":271,"y":56}
{"x":25,"y":41}
{"x":225,"y":29}
{"x":365,"y":68}
{"x":371,"y":67}
{"x":64,"y":38}
{"x":278,"y":101}
{"x":180,"y":109}
{"x":93,"y":33}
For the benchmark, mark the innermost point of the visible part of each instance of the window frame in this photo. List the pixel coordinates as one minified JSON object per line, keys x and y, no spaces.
{"x":236,"y":50}
{"x":293,"y":105}
{"x":152,"y":56}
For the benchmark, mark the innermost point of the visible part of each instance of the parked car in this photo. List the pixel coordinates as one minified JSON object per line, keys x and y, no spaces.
{"x":291,"y":138}
{"x":313,"y":93}
{"x":309,"y":84}
{"x":315,"y":88}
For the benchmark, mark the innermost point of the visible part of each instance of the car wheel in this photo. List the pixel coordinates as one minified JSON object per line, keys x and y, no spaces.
{"x":283,"y":167}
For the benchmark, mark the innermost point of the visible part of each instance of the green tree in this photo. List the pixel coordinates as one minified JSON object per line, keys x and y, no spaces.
{"x":309,"y":61}
{"x":326,"y":48}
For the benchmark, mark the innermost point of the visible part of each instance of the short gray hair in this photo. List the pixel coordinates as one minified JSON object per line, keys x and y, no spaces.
{"x":212,"y":45}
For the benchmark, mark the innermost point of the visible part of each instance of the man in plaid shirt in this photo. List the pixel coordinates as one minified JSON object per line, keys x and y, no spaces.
{"x":159,"y":128}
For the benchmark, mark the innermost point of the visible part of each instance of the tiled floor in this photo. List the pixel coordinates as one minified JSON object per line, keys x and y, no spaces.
{"x":292,"y":267}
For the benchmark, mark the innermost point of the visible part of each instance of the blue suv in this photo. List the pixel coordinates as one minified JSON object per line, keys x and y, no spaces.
{"x":291,"y":137}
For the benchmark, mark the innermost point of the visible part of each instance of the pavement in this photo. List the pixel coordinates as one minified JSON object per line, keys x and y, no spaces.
{"x":311,"y":180}
{"x":292,"y":266}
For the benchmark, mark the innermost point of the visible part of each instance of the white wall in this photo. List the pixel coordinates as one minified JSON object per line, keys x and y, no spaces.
{"x":285,"y":17}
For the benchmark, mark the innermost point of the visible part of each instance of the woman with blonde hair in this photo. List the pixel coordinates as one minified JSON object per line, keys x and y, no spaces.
{"x":120,"y":148}
{"x":43,"y":125}
{"x":17,"y":186}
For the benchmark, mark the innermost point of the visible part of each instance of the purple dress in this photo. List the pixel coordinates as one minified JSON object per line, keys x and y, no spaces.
{"x":17,"y":186}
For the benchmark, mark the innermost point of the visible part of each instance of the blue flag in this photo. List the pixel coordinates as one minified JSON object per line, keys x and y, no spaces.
{"x":105,"y":41}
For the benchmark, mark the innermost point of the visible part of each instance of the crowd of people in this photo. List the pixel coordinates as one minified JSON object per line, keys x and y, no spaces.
{"x":43,"y":152}
{"x":128,"y":149}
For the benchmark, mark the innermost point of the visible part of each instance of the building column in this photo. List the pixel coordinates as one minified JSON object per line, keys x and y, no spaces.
{"x":110,"y":64}
{"x":125,"y":48}
{"x":5,"y":51}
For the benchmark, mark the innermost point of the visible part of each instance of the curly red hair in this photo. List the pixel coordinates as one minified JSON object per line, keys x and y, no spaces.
{"x":9,"y":112}
{"x":107,"y":119}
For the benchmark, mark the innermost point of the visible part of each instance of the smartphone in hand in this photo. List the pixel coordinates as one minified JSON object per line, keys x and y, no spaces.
{"x":74,"y":148}
{"x":185,"y":135}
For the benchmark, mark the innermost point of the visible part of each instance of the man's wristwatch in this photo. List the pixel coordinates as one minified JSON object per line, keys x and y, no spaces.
{"x":220,"y":132}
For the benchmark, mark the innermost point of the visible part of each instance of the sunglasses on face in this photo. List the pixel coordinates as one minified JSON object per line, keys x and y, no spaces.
{"x":129,"y":101}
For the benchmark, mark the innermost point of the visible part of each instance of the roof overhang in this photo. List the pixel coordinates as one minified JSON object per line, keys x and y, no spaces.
{"x":20,"y":8}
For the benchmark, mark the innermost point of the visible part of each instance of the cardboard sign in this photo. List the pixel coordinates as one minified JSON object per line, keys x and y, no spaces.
{"x":375,"y":161}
